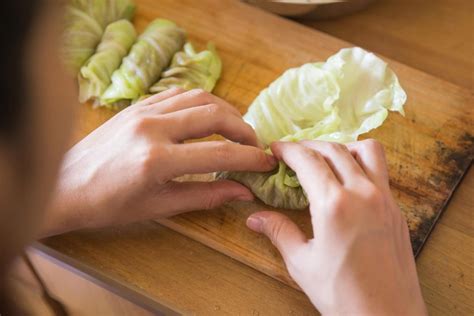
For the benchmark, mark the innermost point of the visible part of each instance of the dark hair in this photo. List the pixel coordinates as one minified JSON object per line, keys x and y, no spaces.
{"x":17,"y":19}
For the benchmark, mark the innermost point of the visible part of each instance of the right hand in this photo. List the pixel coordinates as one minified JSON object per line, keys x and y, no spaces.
{"x":360,"y":260}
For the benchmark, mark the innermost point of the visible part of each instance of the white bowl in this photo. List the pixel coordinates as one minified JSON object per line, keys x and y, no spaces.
{"x":321,"y":10}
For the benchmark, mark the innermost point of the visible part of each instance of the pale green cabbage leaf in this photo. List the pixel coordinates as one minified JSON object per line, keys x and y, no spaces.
{"x":191,"y":70}
{"x":348,"y":95}
{"x":84,"y":24}
{"x":94,"y":76}
{"x":146,"y":60}
{"x":106,"y":11}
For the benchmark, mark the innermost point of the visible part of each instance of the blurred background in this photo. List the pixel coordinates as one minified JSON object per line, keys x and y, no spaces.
{"x":435,"y":36}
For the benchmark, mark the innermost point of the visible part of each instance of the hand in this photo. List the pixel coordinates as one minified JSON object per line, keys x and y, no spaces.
{"x":124,"y":170}
{"x":360,"y":260}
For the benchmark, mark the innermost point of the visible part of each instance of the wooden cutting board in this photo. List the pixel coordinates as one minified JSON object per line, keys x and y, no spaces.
{"x":428,"y":150}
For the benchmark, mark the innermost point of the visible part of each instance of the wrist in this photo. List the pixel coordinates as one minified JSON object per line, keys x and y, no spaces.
{"x":66,"y":210}
{"x":357,"y":301}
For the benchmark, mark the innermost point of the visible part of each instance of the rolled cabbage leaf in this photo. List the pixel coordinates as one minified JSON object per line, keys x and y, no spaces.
{"x":81,"y":35}
{"x":94,"y":76}
{"x":190,"y":70}
{"x":85,"y":22}
{"x":146,"y":60}
{"x":106,"y":11}
{"x":348,"y":95}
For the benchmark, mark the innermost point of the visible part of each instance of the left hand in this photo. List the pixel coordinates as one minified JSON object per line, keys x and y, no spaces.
{"x":123,"y":171}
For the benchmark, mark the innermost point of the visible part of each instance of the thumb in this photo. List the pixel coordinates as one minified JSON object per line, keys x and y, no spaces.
{"x":282,"y":231}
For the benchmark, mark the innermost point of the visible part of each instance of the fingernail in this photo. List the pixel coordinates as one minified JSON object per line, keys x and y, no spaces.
{"x":272,"y":160}
{"x":255,"y":223}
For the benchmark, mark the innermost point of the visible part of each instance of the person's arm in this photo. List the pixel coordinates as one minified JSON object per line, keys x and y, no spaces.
{"x":360,"y":261}
{"x":123,"y":171}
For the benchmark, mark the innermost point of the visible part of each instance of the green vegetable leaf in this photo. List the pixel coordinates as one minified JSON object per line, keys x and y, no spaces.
{"x":348,"y":95}
{"x":106,"y":11}
{"x":84,"y":24}
{"x":147,"y":58}
{"x":94,"y":76}
{"x":190,"y":70}
{"x":81,"y":35}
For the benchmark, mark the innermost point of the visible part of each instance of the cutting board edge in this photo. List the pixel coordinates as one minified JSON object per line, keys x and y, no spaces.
{"x":442,"y":209}
{"x":285,"y":278}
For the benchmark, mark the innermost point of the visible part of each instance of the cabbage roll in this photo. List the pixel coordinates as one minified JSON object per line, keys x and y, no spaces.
{"x":94,"y":76}
{"x":190,"y":70}
{"x":348,"y":95}
{"x":146,"y":60}
{"x":80,"y":38}
{"x":277,"y":188}
{"x":106,"y":11}
{"x":85,"y":22}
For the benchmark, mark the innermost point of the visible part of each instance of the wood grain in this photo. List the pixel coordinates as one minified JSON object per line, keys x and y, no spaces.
{"x":428,"y":151}
{"x":435,"y":36}
{"x":80,"y":296}
{"x":156,"y":263}
{"x":445,"y":265}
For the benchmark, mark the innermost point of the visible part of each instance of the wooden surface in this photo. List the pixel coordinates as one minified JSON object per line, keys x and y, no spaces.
{"x":428,"y":151}
{"x":445,"y":266}
{"x":80,"y":296}
{"x":435,"y":36}
{"x":174,"y":271}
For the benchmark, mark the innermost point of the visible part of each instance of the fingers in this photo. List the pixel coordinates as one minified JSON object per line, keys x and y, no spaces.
{"x":212,"y":156}
{"x":179,"y":197}
{"x":371,"y":157}
{"x":283,"y":233}
{"x":342,"y":163}
{"x":190,"y":99}
{"x":205,"y":120}
{"x":161,"y":96}
{"x":314,"y":174}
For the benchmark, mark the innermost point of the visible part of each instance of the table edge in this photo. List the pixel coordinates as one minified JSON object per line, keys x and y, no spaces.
{"x":100,"y":279}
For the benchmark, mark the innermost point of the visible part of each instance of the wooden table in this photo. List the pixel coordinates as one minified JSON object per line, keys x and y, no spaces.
{"x":434,"y":36}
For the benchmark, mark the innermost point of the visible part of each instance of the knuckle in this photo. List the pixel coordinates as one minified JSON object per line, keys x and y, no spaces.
{"x":210,"y":202}
{"x":246,"y":131}
{"x":200,"y":94}
{"x":153,"y":157}
{"x":373,"y":196}
{"x":338,"y":202}
{"x":337,"y":146}
{"x":214,"y":109}
{"x":142,"y":125}
{"x":176,"y":90}
{"x":372,"y":144}
{"x":275,"y":229}
{"x":260,"y":157}
{"x":214,"y":199}
{"x":306,"y":152}
{"x":165,"y":191}
{"x":222,"y":151}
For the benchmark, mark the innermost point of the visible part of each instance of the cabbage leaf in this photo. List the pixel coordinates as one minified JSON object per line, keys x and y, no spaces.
{"x":84,"y":24}
{"x":146,"y":60}
{"x":94,"y":76}
{"x":106,"y":11}
{"x":348,"y":95}
{"x":190,"y":70}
